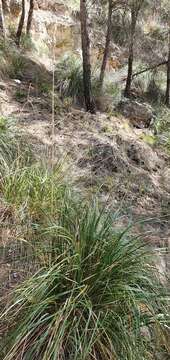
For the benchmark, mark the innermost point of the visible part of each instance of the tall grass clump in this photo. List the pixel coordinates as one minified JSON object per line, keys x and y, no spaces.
{"x":69,"y":77}
{"x":14,"y":151}
{"x":94,"y":300}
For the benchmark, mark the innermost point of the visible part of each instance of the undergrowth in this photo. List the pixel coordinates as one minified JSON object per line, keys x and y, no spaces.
{"x":162,"y":127}
{"x":93,"y":290}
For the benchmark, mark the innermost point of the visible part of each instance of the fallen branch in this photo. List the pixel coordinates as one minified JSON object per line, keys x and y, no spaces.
{"x":147,"y":69}
{"x":150,"y":68}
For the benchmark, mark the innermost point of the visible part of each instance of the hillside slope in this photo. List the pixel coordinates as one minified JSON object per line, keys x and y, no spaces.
{"x":105,"y":156}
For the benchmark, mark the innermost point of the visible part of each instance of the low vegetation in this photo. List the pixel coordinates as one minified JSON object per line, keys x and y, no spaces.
{"x":86,"y":285}
{"x":87,"y":296}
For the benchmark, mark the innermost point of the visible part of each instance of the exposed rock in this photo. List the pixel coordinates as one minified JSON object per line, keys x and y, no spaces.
{"x":145,"y":333}
{"x":104,"y":103}
{"x":142,"y":155}
{"x":15,"y":7}
{"x":51,"y":5}
{"x":2,"y":86}
{"x":140,"y":115}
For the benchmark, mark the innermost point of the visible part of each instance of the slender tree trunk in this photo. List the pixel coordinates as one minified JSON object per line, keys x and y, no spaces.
{"x":167,"y":96}
{"x":21,"y":24}
{"x":2,"y":23}
{"x":90,"y":105}
{"x":30,"y":16}
{"x":5,"y":7}
{"x":131,"y":48}
{"x":107,"y":43}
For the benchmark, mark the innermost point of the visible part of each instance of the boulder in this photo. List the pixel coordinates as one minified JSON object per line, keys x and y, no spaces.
{"x":104,"y":103}
{"x":140,"y":114}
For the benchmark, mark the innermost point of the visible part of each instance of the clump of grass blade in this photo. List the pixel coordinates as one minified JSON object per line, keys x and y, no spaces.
{"x":93,"y":299}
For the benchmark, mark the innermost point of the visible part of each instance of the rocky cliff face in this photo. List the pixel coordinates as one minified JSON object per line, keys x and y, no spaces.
{"x":55,"y":28}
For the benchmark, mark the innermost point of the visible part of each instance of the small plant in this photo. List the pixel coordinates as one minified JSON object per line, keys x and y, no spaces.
{"x":27,"y":43}
{"x":16,"y":65}
{"x":149,"y":139}
{"x":162,"y":122}
{"x":20,"y":95}
{"x":44,"y":87}
{"x":2,"y":123}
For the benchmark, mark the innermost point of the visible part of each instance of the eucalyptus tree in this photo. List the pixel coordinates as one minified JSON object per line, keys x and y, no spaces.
{"x":113,"y":5}
{"x":135,"y":7}
{"x":30,"y":16}
{"x":89,"y":102}
{"x":167,"y":95}
{"x":2,"y":23}
{"x":21,"y":24}
{"x":5,"y":6}
{"x":165,"y":15}
{"x":107,"y":43}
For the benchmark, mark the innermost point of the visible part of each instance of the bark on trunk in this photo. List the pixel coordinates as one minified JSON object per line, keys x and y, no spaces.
{"x":30,"y":16}
{"x":167,"y":96}
{"x":107,"y":44}
{"x":21,"y":24}
{"x":90,"y":105}
{"x":5,"y":6}
{"x":131,"y":48}
{"x":2,"y":23}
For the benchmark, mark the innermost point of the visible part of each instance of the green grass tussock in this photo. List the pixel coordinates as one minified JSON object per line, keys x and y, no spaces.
{"x":69,"y":77}
{"x":93,"y":299}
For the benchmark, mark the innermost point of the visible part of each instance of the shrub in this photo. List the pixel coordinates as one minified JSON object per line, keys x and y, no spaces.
{"x":93,"y":297}
{"x":16,"y":66}
{"x":69,"y":77}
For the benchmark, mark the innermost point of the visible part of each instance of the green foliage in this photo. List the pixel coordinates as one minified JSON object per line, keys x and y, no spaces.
{"x":69,"y":77}
{"x":162,"y":127}
{"x":30,"y":188}
{"x":13,"y":150}
{"x":44,"y":87}
{"x":162,"y":123}
{"x":149,"y":139}
{"x":93,"y":299}
{"x":27,"y":43}
{"x":2,"y":123}
{"x":16,"y":65}
{"x":20,"y":95}
{"x":12,"y":62}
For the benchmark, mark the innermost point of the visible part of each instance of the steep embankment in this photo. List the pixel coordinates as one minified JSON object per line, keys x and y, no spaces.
{"x":105,"y":154}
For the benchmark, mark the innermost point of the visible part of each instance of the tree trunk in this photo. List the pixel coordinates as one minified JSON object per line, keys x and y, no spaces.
{"x":167,"y":96}
{"x":30,"y":16}
{"x":2,"y":23}
{"x":131,"y":48}
{"x":5,"y":7}
{"x":21,"y":24}
{"x":90,"y":105}
{"x":107,"y":44}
